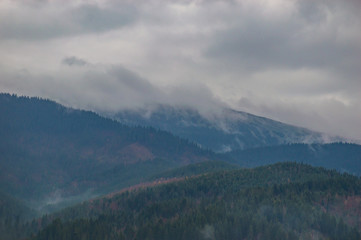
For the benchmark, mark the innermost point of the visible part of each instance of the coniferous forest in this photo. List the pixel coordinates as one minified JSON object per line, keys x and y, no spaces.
{"x":281,"y":201}
{"x":71,"y":174}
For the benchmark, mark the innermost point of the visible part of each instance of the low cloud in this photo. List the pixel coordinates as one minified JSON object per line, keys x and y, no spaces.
{"x":105,"y":88}
{"x":74,"y":61}
{"x":329,"y":115}
{"x":297,"y":61}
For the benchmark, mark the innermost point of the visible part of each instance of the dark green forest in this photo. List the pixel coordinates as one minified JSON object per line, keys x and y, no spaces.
{"x":282,"y":201}
{"x":47,"y":148}
{"x":13,"y":215}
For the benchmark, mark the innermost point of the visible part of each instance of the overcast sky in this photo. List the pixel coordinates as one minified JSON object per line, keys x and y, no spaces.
{"x":297,"y":61}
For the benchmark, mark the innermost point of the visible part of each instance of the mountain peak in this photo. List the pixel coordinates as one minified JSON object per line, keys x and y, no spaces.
{"x":222,"y":130}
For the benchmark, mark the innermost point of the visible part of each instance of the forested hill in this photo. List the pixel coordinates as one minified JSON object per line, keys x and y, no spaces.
{"x":344,"y":157}
{"x":281,"y":201}
{"x":50,"y":152}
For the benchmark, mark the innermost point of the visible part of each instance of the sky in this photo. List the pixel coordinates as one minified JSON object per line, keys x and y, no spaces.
{"x":295,"y":61}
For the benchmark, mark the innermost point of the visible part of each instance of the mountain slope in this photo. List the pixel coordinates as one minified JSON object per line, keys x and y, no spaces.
{"x":282,"y":201}
{"x":50,"y":152}
{"x":341,"y":156}
{"x":221,"y":132}
{"x":195,"y":169}
{"x":13,"y":215}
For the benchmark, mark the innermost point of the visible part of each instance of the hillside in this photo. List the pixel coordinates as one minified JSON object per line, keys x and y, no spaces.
{"x":51,"y":154}
{"x":13,"y":215}
{"x":224,"y":131}
{"x":281,"y":201}
{"x":195,"y":169}
{"x":341,"y":156}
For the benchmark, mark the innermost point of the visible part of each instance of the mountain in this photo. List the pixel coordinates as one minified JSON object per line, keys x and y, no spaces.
{"x":281,"y":201}
{"x":344,"y":157}
{"x":51,"y":154}
{"x":223,"y":131}
{"x":161,"y":186}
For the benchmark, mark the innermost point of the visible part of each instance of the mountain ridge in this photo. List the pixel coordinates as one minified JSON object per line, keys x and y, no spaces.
{"x":344,"y":157}
{"x":221,"y":131}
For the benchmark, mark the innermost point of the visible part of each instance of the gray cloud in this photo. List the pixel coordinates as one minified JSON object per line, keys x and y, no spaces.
{"x":93,"y":18}
{"x":43,"y":20}
{"x":105,"y":88}
{"x":312,"y":36}
{"x":327,"y":115}
{"x":297,"y":61}
{"x":74,"y":61}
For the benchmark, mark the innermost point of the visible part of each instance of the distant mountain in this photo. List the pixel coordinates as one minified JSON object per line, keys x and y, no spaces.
{"x":224,"y":131}
{"x":52,"y":154}
{"x":281,"y":201}
{"x":343,"y":157}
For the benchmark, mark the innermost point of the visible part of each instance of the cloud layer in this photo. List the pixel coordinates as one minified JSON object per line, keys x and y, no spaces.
{"x":298,"y":61}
